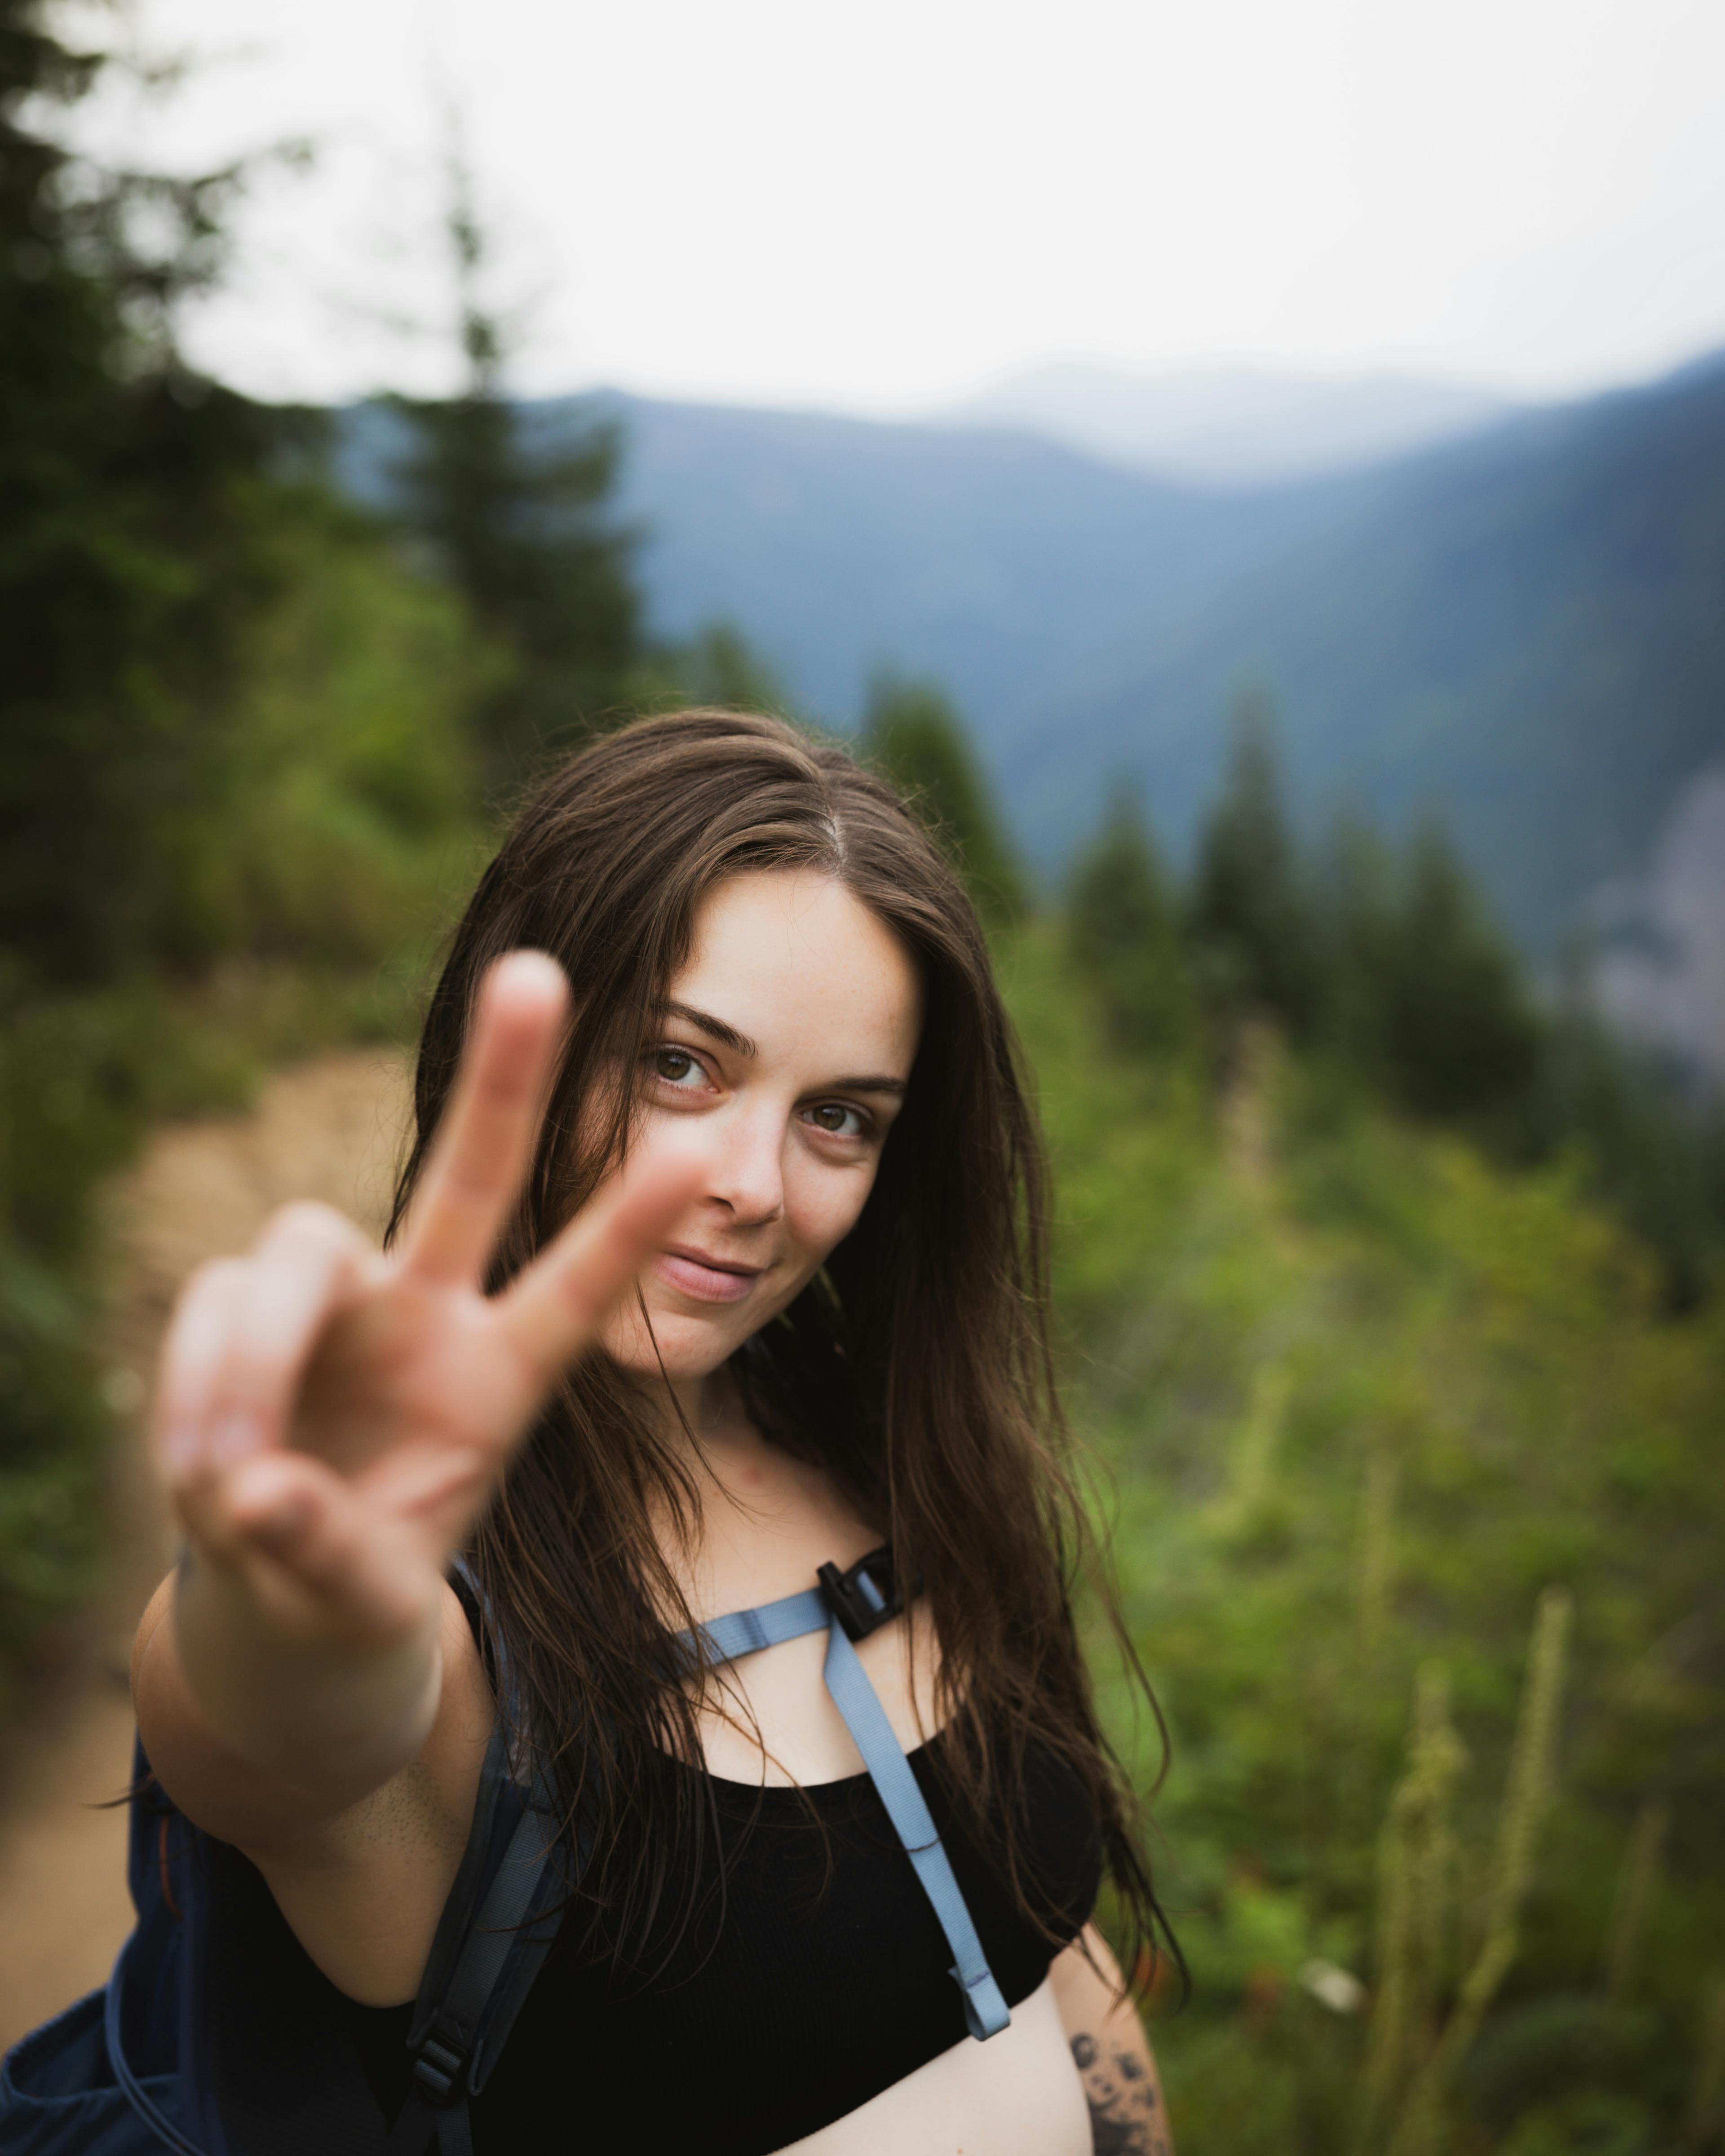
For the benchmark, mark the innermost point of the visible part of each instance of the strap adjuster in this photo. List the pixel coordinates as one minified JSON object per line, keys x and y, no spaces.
{"x":438,"y":2069}
{"x":863,"y":1598}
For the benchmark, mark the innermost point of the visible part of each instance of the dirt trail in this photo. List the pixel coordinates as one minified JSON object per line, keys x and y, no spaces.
{"x":327,"y":1129}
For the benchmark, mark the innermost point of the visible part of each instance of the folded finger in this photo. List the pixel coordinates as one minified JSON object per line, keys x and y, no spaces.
{"x":319,"y":1553}
{"x":556,"y":1305}
{"x":489,"y":1126}
{"x":199,"y":1337}
{"x":304,"y":1267}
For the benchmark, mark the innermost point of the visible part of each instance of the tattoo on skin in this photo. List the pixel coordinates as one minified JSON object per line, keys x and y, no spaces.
{"x":1125,"y":2117}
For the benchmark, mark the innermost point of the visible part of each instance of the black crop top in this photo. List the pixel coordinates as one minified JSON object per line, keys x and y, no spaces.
{"x":825,"y":1982}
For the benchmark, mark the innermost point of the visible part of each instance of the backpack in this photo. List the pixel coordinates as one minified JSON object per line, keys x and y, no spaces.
{"x":216,"y":2036}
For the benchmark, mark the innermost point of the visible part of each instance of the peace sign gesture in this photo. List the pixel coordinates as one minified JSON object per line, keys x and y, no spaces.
{"x":330,"y":1419}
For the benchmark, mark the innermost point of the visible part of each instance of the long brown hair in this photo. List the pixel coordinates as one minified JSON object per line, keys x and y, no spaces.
{"x":915,"y":1370}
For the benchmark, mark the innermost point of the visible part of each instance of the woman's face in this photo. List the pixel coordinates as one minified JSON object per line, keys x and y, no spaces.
{"x":783,"y":1049}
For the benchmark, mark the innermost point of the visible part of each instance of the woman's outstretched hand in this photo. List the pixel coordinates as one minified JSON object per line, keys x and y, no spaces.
{"x":330,"y":1419}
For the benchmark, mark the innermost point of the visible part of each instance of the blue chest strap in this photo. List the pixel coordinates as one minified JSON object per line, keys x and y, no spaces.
{"x":848,"y":1606}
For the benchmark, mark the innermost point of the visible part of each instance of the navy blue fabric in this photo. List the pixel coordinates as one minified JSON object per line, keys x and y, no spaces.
{"x":217,"y":2035}
{"x":58,"y":2096}
{"x":105,"y":2077}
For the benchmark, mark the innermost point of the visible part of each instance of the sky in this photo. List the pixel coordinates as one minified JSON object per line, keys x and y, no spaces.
{"x":883,"y":208}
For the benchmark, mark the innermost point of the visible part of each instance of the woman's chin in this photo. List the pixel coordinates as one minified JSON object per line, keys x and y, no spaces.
{"x":684,"y":1346}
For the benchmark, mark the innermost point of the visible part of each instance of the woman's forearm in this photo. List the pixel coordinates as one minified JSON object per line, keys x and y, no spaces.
{"x":1112,"y":2053}
{"x":251,"y":1723}
{"x":1127,"y":2115}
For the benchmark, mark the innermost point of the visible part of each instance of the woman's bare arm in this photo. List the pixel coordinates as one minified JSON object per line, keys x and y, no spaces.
{"x":1128,"y":2116}
{"x":329,"y":1421}
{"x":361,"y":1883}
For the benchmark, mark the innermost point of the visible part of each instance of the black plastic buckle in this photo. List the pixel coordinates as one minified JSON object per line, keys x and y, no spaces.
{"x":864,"y":1597}
{"x":439,"y":2069}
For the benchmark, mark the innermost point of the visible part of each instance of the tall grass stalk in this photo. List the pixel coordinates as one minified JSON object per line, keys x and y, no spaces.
{"x":1260,"y":1435}
{"x":1526,"y":1800}
{"x":1416,"y":1875}
{"x":1637,"y":1886}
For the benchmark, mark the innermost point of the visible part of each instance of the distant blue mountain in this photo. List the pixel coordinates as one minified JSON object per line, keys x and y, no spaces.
{"x":1002,"y":564}
{"x":1233,"y":426}
{"x":1525,"y":628}
{"x":1526,"y":631}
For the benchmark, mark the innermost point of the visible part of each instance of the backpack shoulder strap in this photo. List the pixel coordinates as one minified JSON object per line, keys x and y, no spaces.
{"x":849,"y":1605}
{"x":498,"y":1924}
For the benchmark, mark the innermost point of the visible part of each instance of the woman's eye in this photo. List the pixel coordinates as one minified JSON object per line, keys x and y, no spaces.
{"x":676,"y":1066}
{"x":834,"y":1117}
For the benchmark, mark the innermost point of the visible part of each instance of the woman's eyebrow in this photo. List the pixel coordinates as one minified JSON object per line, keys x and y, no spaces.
{"x":715,"y":1028}
{"x":739,"y":1044}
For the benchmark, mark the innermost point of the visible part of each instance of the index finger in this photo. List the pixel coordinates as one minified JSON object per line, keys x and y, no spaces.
{"x":485,"y":1139}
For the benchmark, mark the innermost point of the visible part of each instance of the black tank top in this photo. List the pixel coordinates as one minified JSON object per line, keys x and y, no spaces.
{"x":824,"y":1982}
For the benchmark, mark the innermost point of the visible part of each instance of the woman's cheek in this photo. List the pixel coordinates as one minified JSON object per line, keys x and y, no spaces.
{"x":830,"y":1208}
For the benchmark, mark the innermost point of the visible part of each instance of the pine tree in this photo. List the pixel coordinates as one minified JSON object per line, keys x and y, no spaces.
{"x":1459,"y":1036}
{"x":913,"y":735}
{"x":132,"y":552}
{"x":132,"y":559}
{"x":1123,"y":932}
{"x":1249,"y":917}
{"x":518,"y":526}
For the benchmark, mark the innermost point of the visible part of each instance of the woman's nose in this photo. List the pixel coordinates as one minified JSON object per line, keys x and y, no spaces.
{"x":748,"y":1171}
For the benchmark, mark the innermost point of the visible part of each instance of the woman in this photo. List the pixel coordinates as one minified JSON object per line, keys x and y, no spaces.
{"x":717,"y":1260}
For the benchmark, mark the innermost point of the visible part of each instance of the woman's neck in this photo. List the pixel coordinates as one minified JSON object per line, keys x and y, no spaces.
{"x":703,"y":1417}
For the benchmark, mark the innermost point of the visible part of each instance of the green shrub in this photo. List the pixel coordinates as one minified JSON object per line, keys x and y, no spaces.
{"x":1357,"y":1406}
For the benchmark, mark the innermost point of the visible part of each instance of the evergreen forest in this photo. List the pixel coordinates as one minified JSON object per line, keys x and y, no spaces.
{"x":1391,"y":1295}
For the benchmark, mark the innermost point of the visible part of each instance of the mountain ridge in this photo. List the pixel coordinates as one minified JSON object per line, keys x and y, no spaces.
{"x":1232,"y":427}
{"x":1521,"y":629}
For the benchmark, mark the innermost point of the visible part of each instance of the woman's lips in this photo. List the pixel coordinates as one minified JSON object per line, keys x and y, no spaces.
{"x":707,"y":1283}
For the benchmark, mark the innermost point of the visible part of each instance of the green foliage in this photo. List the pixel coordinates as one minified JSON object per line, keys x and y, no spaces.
{"x":231,"y":758}
{"x":50,"y":1460}
{"x":1655,"y":1157}
{"x":1361,"y":1398}
{"x":345,"y":816}
{"x":1426,"y":997}
{"x":1381,"y":964}
{"x":128,"y":554}
{"x":1386,"y":961}
{"x":1251,"y":922}
{"x":1124,"y":929}
{"x":912,"y":733}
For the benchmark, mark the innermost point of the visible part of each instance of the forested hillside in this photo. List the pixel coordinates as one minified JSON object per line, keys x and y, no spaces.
{"x":1410,"y":1481}
{"x":1522,"y":629}
{"x":1416,"y":1504}
{"x":1001,"y":565}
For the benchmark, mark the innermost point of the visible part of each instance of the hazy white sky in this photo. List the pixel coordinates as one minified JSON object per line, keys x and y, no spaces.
{"x":882,"y":207}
